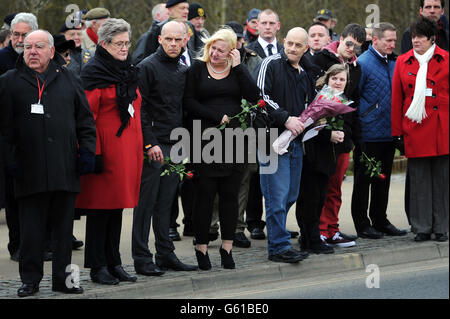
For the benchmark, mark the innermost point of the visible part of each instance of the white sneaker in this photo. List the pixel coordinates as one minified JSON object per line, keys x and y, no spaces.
{"x":338,"y":241}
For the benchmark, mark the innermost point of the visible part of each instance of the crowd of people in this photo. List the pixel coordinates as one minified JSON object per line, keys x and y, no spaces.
{"x":86,"y":130}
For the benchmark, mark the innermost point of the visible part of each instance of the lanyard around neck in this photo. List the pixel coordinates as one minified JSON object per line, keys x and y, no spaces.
{"x":40,"y":89}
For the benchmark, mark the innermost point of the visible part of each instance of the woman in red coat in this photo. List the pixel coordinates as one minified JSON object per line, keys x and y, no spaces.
{"x":111,"y":86}
{"x":420,"y":113}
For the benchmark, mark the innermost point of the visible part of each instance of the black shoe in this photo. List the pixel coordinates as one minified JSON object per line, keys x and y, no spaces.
{"x":440,"y":237}
{"x":422,"y":237}
{"x":294,"y":234}
{"x":172,"y":262}
{"x":76,"y":243}
{"x":321,"y":248}
{"x":348,"y":237}
{"x":15,"y":256}
{"x":148,"y":269}
{"x":75,"y":290}
{"x":370,"y":233}
{"x":391,"y":230}
{"x":289,"y":256}
{"x":102,"y":276}
{"x":27,"y":290}
{"x":203,"y":260}
{"x":257,"y":233}
{"x":121,"y":274}
{"x":240,"y":240}
{"x":48,"y":255}
{"x":226,"y":259}
{"x":174,"y":235}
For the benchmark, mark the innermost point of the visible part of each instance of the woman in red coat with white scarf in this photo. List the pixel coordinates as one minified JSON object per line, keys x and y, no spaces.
{"x":420,"y":114}
{"x":111,"y":86}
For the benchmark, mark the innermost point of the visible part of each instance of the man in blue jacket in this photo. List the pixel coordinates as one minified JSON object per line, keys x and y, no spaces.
{"x":377,"y":65}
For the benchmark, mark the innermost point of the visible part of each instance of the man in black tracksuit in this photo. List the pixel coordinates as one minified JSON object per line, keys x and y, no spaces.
{"x":161,"y":82}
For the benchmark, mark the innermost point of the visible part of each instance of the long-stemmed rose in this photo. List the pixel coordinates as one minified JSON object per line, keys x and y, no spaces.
{"x":243,"y":115}
{"x":179,"y":169}
{"x":373,"y":166}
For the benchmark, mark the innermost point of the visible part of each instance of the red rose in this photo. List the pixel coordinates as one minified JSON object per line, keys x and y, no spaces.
{"x":189,"y":175}
{"x":261,"y":103}
{"x":382,"y":177}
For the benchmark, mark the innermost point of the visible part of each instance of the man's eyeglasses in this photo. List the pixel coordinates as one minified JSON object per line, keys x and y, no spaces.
{"x":119,"y":45}
{"x":351,"y":44}
{"x":17,"y":35}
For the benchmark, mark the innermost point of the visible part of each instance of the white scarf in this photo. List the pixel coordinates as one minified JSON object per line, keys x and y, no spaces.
{"x":416,"y":111}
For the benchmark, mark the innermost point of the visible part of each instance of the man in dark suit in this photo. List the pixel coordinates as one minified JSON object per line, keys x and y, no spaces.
{"x":51,"y":141}
{"x":268,"y":27}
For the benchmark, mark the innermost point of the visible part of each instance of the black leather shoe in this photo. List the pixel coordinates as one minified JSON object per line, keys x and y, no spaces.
{"x":121,"y":274}
{"x":257,"y":233}
{"x":294,"y":234}
{"x":15,"y":256}
{"x":440,"y":237}
{"x":174,"y":235}
{"x":422,"y":237}
{"x":103,"y":277}
{"x":370,"y":233}
{"x":289,"y":256}
{"x":75,"y":290}
{"x":240,"y":240}
{"x":203,"y":260}
{"x":172,"y":262}
{"x":76,"y":243}
{"x":148,"y":269}
{"x":27,"y":290}
{"x":391,"y":230}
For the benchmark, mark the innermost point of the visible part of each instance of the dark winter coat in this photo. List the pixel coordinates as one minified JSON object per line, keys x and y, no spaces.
{"x":44,"y":146}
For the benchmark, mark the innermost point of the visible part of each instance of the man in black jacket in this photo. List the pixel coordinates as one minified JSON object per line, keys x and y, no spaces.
{"x":42,"y":129}
{"x":286,"y":84}
{"x":433,"y":10}
{"x":178,"y":10}
{"x":161,"y":80}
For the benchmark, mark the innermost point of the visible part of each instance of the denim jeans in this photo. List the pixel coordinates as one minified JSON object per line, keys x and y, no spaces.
{"x":280,"y":191}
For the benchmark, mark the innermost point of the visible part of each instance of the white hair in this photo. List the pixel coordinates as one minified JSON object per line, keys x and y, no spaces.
{"x":27,"y":18}
{"x":51,"y":41}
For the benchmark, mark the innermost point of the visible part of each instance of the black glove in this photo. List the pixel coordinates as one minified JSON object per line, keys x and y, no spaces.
{"x":399,"y":144}
{"x":98,"y":164}
{"x":86,"y":162}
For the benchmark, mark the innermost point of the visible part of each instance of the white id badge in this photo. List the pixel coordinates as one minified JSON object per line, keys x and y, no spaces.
{"x":131,"y":110}
{"x":37,"y":108}
{"x":429,"y":92}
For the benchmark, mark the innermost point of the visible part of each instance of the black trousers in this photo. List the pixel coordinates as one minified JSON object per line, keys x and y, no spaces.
{"x":12,"y":215}
{"x":155,"y":204}
{"x":364,"y":185}
{"x":34,"y":211}
{"x":228,"y":190}
{"x":103,"y":229}
{"x":254,"y":209}
{"x":313,"y":191}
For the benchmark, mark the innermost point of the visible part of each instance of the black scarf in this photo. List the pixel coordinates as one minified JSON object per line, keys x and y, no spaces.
{"x":103,"y":70}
